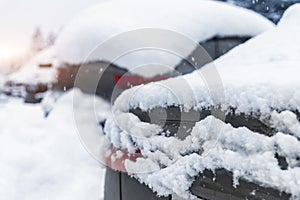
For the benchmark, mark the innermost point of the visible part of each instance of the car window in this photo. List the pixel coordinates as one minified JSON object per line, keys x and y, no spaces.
{"x":223,"y":45}
{"x":214,"y":47}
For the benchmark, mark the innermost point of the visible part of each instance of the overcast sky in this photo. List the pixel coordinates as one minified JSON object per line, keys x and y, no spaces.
{"x":18,"y":18}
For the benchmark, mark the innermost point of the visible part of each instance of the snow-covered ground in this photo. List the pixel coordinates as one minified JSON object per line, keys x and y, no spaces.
{"x":258,"y":76}
{"x":43,"y":158}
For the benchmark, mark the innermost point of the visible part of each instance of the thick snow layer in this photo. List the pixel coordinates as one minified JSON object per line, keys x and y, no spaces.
{"x":34,"y":75}
{"x":31,"y":73}
{"x":258,"y":76}
{"x":292,"y":15}
{"x":44,"y":157}
{"x":194,"y":19}
{"x":247,"y":154}
{"x":286,"y":121}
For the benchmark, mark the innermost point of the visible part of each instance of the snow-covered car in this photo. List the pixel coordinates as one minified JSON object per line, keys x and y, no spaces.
{"x":79,"y":43}
{"x":100,"y":78}
{"x":234,"y":134}
{"x":79,"y":64}
{"x":34,"y":78}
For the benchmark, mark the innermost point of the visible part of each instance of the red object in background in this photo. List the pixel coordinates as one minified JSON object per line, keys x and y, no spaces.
{"x":127,"y":81}
{"x":117,"y":78}
{"x":117,"y":157}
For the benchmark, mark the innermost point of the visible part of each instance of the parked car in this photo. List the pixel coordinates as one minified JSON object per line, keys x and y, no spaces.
{"x":108,"y":77}
{"x":34,"y":78}
{"x":78,"y":44}
{"x":37,"y":77}
{"x":179,"y":141}
{"x":73,"y":49}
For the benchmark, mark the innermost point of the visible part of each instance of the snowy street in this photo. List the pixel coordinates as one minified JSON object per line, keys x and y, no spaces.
{"x":43,"y":158}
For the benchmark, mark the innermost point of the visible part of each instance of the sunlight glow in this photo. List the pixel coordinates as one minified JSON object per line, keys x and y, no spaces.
{"x":11,"y":54}
{"x":12,"y":57}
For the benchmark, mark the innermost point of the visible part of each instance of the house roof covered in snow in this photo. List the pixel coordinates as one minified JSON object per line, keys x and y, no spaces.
{"x":32,"y":73}
{"x":198,"y":20}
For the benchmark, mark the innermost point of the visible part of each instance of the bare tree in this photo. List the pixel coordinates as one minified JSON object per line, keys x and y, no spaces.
{"x":38,"y":42}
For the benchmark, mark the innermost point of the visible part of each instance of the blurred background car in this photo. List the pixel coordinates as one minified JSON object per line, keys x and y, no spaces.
{"x":76,"y":48}
{"x":34,"y":78}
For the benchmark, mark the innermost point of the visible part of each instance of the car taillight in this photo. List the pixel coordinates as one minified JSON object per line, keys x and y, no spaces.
{"x":116,"y":158}
{"x":117,"y":78}
{"x":138,"y":151}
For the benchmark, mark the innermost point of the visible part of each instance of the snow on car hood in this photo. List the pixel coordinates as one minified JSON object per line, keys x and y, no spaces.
{"x":258,"y":76}
{"x":198,"y":20}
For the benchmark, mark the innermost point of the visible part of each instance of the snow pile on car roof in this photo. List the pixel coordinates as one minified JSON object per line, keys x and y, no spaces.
{"x":32,"y":73}
{"x":268,"y":62}
{"x":198,"y":20}
{"x":260,"y":77}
